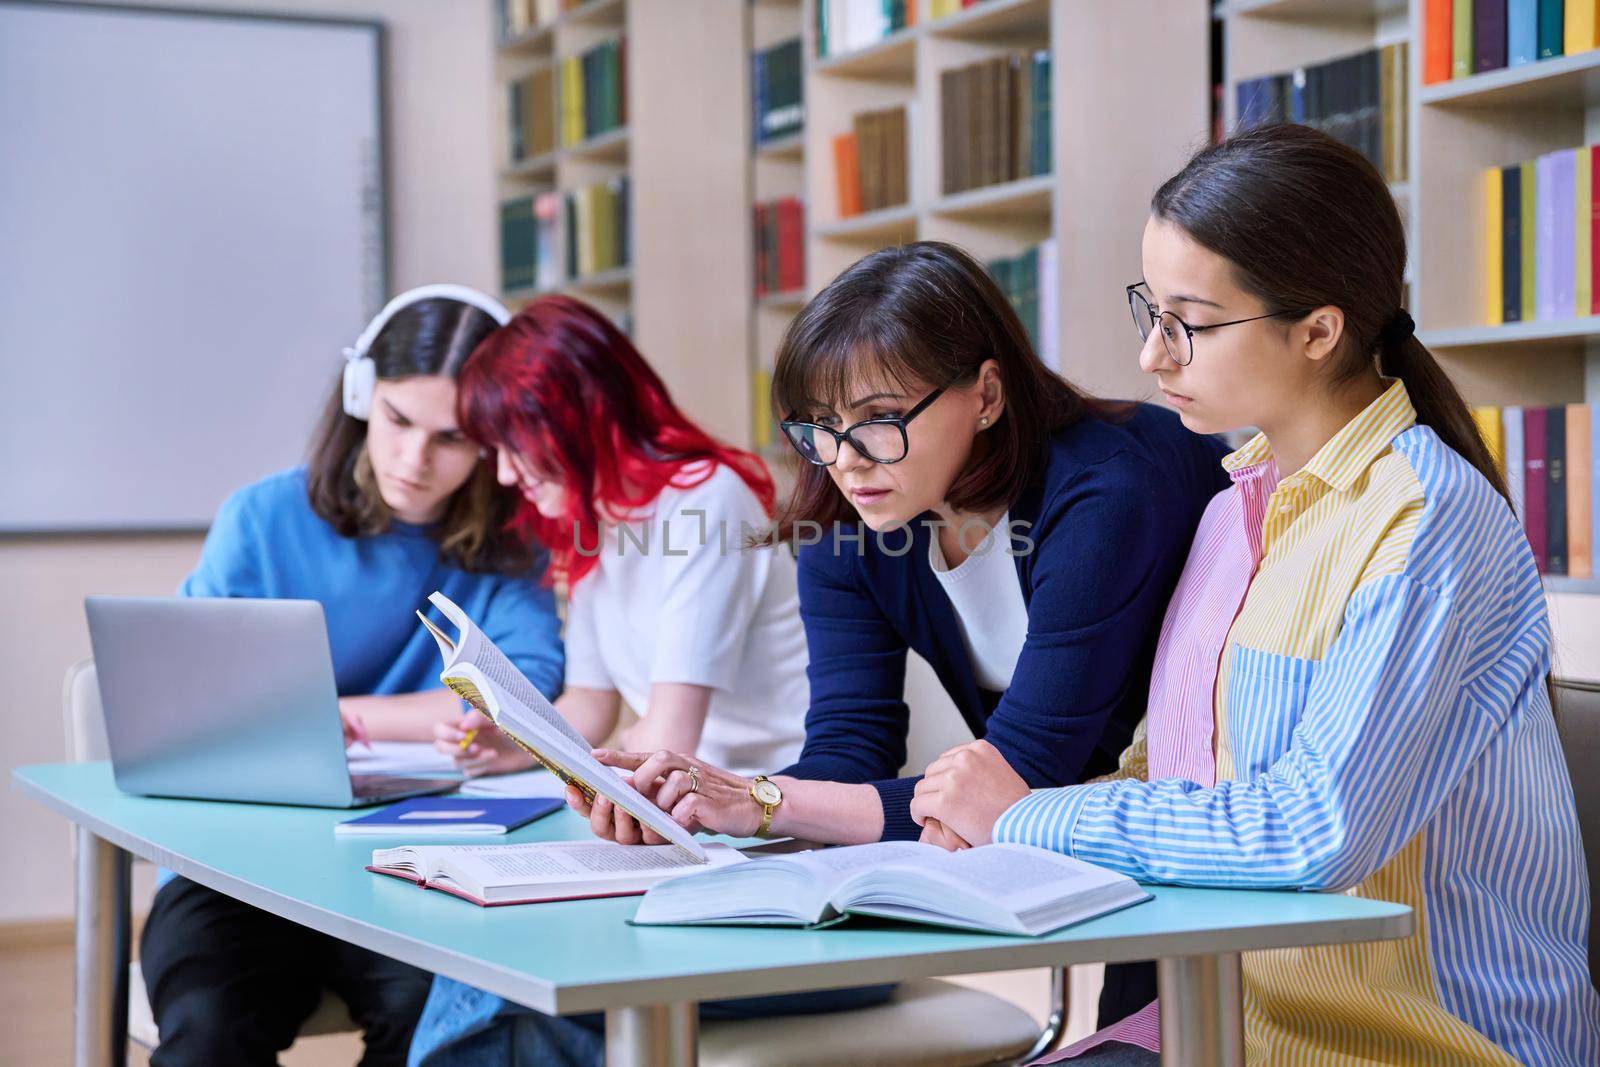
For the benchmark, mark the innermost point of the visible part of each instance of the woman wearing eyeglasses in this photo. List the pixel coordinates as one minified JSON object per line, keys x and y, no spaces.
{"x":960,"y":500}
{"x":1350,"y":692}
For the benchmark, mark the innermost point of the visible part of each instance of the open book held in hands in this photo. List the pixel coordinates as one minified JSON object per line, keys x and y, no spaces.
{"x":481,"y":675}
{"x":1001,"y":889}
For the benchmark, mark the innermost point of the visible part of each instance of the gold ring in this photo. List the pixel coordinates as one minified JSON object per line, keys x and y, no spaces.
{"x":694,"y":779}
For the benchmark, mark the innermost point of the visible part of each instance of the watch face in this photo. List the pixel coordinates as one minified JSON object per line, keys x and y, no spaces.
{"x":767,"y":792}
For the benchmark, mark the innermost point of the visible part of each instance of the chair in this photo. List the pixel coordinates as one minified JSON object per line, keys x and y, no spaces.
{"x":85,"y":724}
{"x":1577,"y":709}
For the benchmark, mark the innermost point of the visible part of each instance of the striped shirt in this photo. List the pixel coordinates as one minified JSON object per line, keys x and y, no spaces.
{"x":1382,"y":729}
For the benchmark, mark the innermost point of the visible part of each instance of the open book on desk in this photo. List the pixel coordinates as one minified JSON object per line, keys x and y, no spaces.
{"x":1002,"y":889}
{"x":493,"y":875}
{"x":482,"y":676}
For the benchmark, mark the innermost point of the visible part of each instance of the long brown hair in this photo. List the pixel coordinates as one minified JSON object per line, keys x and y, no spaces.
{"x":1307,"y":222}
{"x":925,"y":312}
{"x":429,"y":337}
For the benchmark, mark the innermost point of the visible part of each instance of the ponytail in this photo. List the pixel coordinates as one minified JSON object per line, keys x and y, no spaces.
{"x":1437,"y":401}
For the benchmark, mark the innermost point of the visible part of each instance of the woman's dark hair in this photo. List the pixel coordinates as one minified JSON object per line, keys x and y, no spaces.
{"x":1308,"y":222}
{"x":429,"y":337}
{"x":924,"y":313}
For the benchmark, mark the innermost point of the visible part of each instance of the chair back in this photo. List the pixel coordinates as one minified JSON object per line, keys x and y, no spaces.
{"x":82,"y":716}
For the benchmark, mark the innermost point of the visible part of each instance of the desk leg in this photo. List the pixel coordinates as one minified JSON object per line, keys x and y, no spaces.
{"x":101,"y":944}
{"x":1202,"y":1011}
{"x":657,"y":1035}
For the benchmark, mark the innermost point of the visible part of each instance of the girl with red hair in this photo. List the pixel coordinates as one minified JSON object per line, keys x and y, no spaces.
{"x":651,"y":524}
{"x":646,"y":518}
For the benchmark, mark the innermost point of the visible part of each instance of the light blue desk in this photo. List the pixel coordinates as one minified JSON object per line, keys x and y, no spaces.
{"x":581,"y":956}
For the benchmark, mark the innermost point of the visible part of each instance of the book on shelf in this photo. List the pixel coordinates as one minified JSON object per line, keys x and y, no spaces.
{"x":1466,"y":37}
{"x":478,"y":672}
{"x":1360,"y":99}
{"x":778,"y":109}
{"x":995,"y":120}
{"x":1539,"y":223}
{"x":519,"y":16}
{"x":780,"y":246}
{"x":1001,"y":889}
{"x":596,"y":227}
{"x":593,"y":91}
{"x":1488,"y":35}
{"x":1549,"y":457}
{"x":762,"y":419}
{"x":537,"y":872}
{"x":871,"y":163}
{"x":519,"y":239}
{"x":849,"y":25}
{"x":531,"y":115}
{"x":1029,"y":282}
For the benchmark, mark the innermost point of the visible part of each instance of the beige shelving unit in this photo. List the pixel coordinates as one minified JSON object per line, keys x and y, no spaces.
{"x":1459,"y":129}
{"x":1128,"y":100}
{"x":685,"y":150}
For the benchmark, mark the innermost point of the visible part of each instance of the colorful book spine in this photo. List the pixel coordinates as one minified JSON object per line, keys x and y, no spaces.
{"x":1494,"y":254}
{"x":1461,"y":50}
{"x":1590,"y":217}
{"x":1583,"y":232}
{"x":1555,"y":475}
{"x":1516,"y":461}
{"x":1493,"y":434}
{"x":1580,"y":26}
{"x":1511,"y":235}
{"x":1522,"y":32}
{"x":1563,"y":185}
{"x":1437,"y":35}
{"x":1545,"y":238}
{"x":1580,"y":486}
{"x":1536,"y":484}
{"x":1488,"y":35}
{"x":1528,"y":232}
{"x":1552,"y":28}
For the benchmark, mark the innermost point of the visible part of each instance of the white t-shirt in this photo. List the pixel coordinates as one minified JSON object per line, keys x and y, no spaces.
{"x":987,"y":596}
{"x":676,"y":597}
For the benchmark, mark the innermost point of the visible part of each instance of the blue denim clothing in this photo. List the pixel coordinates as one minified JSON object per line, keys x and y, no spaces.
{"x":465,"y":1027}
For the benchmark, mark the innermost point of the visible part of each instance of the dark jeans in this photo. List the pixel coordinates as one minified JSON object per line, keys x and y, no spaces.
{"x":231,"y":984}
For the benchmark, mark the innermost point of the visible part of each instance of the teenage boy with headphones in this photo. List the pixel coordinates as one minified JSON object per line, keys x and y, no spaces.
{"x":393,"y":504}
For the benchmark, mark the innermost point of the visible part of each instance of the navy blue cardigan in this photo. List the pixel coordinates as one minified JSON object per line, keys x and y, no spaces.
{"x":1111,"y":517}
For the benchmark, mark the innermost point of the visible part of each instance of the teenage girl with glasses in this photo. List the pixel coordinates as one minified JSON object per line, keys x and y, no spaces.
{"x":1350,"y":692}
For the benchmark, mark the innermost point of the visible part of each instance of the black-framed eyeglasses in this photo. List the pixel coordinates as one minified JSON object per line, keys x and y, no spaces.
{"x":881,"y":439}
{"x":1180,"y":341}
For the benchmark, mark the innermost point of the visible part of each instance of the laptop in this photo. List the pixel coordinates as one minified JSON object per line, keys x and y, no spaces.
{"x":228,"y":699}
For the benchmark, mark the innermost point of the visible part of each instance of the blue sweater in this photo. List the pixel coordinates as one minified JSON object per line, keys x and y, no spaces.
{"x":267,"y":542}
{"x":1111,"y":516}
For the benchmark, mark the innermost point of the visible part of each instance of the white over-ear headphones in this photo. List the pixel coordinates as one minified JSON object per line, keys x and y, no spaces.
{"x":361,"y":373}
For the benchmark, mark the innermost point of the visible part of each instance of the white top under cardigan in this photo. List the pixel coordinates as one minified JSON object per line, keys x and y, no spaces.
{"x":676,"y":597}
{"x":987,"y":596}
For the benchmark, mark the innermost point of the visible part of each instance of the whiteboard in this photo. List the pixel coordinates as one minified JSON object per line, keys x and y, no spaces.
{"x":192,"y":226}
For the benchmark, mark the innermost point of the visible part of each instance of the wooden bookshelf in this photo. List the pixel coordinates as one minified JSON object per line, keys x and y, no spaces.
{"x":777,"y":169}
{"x":1118,"y":128}
{"x":683,"y":149}
{"x":1458,"y":130}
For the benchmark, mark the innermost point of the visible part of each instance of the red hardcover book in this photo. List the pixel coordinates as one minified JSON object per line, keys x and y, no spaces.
{"x":1535,"y":504}
{"x":1436,"y":34}
{"x":791,"y":245}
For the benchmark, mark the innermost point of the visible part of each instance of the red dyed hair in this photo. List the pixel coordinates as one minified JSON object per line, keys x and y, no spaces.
{"x":565,"y":389}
